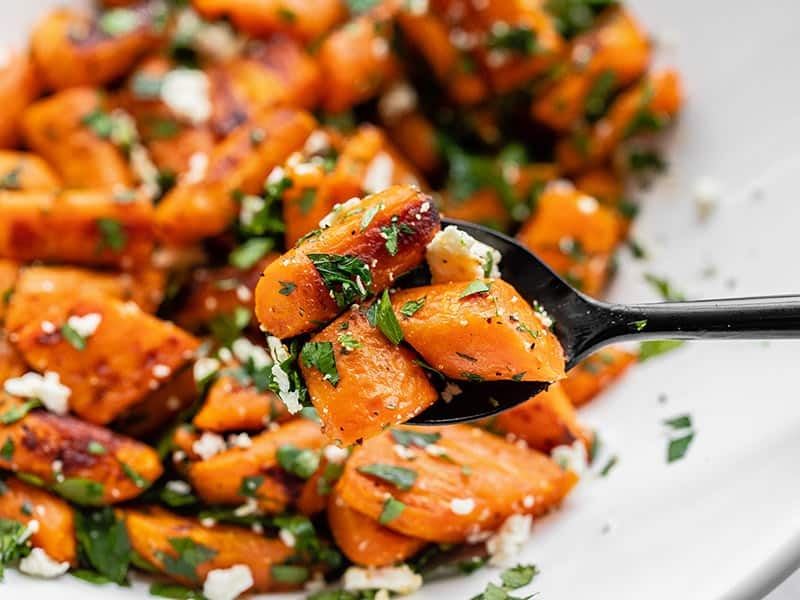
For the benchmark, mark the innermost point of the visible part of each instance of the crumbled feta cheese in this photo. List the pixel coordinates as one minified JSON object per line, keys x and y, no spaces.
{"x":209,"y":444}
{"x":378,"y":175}
{"x":225,"y":355}
{"x":707,"y":192}
{"x":48,"y":327}
{"x":416,"y":7}
{"x":379,"y":47}
{"x":316,"y":143}
{"x":315,"y":584}
{"x":462,"y":506}
{"x":335,"y":454}
{"x":277,"y":350}
{"x":582,"y":54}
{"x":161,"y":371}
{"x":573,"y":458}
{"x":186,"y":93}
{"x":287,"y":537}
{"x":218,"y":41}
{"x":86,"y":325}
{"x":227,"y":584}
{"x":528,"y":501}
{"x":208,"y":522}
{"x":400,"y":579}
{"x":289,"y":397}
{"x":241,"y":440}
{"x":144,"y":169}
{"x":198,"y":167}
{"x":505,"y":546}
{"x":276,"y":175}
{"x":245,"y":350}
{"x":450,"y":391}
{"x":435,"y":450}
{"x":560,"y":186}
{"x":454,"y":255}
{"x":48,"y":388}
{"x":404,"y":452}
{"x":251,"y":206}
{"x":497,"y":58}
{"x":204,"y":368}
{"x":338,"y":211}
{"x":179,"y":487}
{"x":39,"y":564}
{"x":32,"y":526}
{"x":399,"y":99}
{"x":257,"y":528}
{"x":250,"y":507}
{"x":587,"y":205}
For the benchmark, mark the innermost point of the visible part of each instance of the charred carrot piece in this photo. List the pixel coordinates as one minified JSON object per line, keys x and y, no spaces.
{"x":592,"y":375}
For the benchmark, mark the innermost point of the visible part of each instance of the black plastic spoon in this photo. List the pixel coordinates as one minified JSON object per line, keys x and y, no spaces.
{"x":583,"y":324}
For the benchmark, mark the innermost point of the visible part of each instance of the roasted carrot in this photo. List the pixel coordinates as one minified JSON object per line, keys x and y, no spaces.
{"x":22,"y":502}
{"x":105,"y":372}
{"x":233,"y":406}
{"x":476,"y":481}
{"x":223,"y":478}
{"x":11,"y":363}
{"x":9,"y":271}
{"x":82,"y":462}
{"x":26,"y":171}
{"x":19,"y":85}
{"x":353,"y":249}
{"x":158,"y":537}
{"x":451,"y":327}
{"x":293,"y":66}
{"x":366,"y":542}
{"x":592,"y":375}
{"x":374,"y":383}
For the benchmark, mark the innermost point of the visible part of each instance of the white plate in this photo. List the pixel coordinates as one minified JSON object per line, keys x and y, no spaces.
{"x":723,"y":523}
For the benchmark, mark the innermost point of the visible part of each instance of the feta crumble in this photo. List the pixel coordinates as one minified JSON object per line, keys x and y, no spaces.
{"x":209,"y":444}
{"x":244,"y":350}
{"x":186,"y":93}
{"x":334,"y":454}
{"x":378,"y":175}
{"x":339,"y":210}
{"x":227,"y":584}
{"x":400,"y":99}
{"x":403,"y":452}
{"x":86,"y":325}
{"x":289,"y":397}
{"x":462,"y":506}
{"x":317,"y":143}
{"x":707,"y":192}
{"x":47,"y":388}
{"x":287,"y":537}
{"x":454,"y":255}
{"x":450,"y":391}
{"x":39,"y":564}
{"x":400,"y":579}
{"x":198,"y":166}
{"x":587,"y":205}
{"x":573,"y":458}
{"x":204,"y":368}
{"x":241,"y":440}
{"x":505,"y":546}
{"x":178,"y":487}
{"x":251,"y":206}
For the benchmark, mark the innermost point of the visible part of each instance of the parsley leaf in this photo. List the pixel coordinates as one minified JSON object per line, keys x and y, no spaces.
{"x":306,"y":200}
{"x":130,"y":472}
{"x":407,"y":438}
{"x":386,"y":320}
{"x":96,"y":448}
{"x":348,"y":342}
{"x":75,"y":339}
{"x":410,"y":308}
{"x":599,"y":95}
{"x":398,"y":476}
{"x":227,"y":328}
{"x":15,"y":413}
{"x":680,"y":422}
{"x":519,"y":576}
{"x":13,"y":542}
{"x":7,"y":451}
{"x":648,"y":350}
{"x":250,"y":486}
{"x":250,"y":252}
{"x":369,"y":215}
{"x":118,"y":21}
{"x":664,"y":288}
{"x":80,"y":490}
{"x":612,"y":462}
{"x":103,"y":540}
{"x":347,"y":277}
{"x":391,"y":234}
{"x":476,"y":287}
{"x":112,"y":235}
{"x":173,"y":590}
{"x":320,"y":356}
{"x":391,"y":510}
{"x":678,"y":447}
{"x":190,"y":555}
{"x":287,"y":287}
{"x":290,"y":573}
{"x":520,"y":39}
{"x":10,"y":181}
{"x":357,"y":7}
{"x":639,"y":325}
{"x":298,"y":461}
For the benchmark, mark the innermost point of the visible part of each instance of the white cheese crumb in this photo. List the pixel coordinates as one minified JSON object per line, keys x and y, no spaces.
{"x":587,"y":205}
{"x":335,"y":454}
{"x":198,"y":167}
{"x":86,"y":325}
{"x":208,"y":522}
{"x":573,"y":458}
{"x":179,"y":487}
{"x":48,"y":327}
{"x":209,"y":444}
{"x":161,"y":371}
{"x":707,"y":192}
{"x":317,"y":143}
{"x":39,"y":564}
{"x":251,"y":206}
{"x":241,"y":440}
{"x":289,"y":397}
{"x":276,"y":175}
{"x":379,"y":47}
{"x":48,"y":388}
{"x":450,"y":391}
{"x":204,"y":368}
{"x":403,"y":452}
{"x":454,"y":255}
{"x":381,"y":595}
{"x":400,"y":579}
{"x":316,"y":584}
{"x":339,"y":210}
{"x":416,"y":7}
{"x":227,"y":584}
{"x":435,"y":450}
{"x":287,"y":537}
{"x":582,"y":54}
{"x":400,"y":99}
{"x":186,"y":93}
{"x":32,"y":526}
{"x":250,"y":507}
{"x":244,"y":350}
{"x":462,"y":506}
{"x":528,"y":501}
{"x":560,"y":186}
{"x":504,"y":547}
{"x":378,"y":175}
{"x":257,"y":528}
{"x":144,"y":169}
{"x":218,"y":41}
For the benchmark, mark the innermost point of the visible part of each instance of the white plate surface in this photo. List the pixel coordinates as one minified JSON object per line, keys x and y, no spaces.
{"x":723,"y":523}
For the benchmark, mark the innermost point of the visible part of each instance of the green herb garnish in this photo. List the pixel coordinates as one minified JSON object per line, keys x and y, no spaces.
{"x":103,"y":540}
{"x":347,"y":277}
{"x":250,"y":252}
{"x":519,"y":39}
{"x":320,"y":356}
{"x":648,"y":350}
{"x":250,"y":485}
{"x":410,"y":308}
{"x":14,"y":414}
{"x":391,"y":510}
{"x":386,"y":320}
{"x":419,"y":439}
{"x":476,"y":287}
{"x":298,"y":461}
{"x":398,"y":476}
{"x":190,"y":555}
{"x":287,"y":287}
{"x":112,"y":235}
{"x":118,"y":21}
{"x":391,"y":234}
{"x":7,"y":451}
{"x":75,"y":339}
{"x":348,"y":342}
{"x":80,"y":490}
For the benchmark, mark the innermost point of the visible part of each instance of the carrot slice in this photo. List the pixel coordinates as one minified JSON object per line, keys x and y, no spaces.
{"x":487,"y":477}
{"x":377,"y":383}
{"x":293,"y":297}
{"x":451,"y":327}
{"x":366,"y":542}
{"x":592,"y":375}
{"x":231,"y":406}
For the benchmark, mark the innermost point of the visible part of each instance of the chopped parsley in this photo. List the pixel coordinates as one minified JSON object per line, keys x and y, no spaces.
{"x":519,"y":39}
{"x":511,"y":579}
{"x":190,"y":555}
{"x":250,"y":485}
{"x":646,"y":160}
{"x":7,"y":451}
{"x":298,"y":461}
{"x":228,"y":327}
{"x":357,"y":7}
{"x":410,"y":308}
{"x":287,"y":287}
{"x":146,"y":87}
{"x":96,"y":448}
{"x":392,"y":509}
{"x":348,"y":342}
{"x":103,"y":541}
{"x":681,"y":436}
{"x":575,"y":16}
{"x":369,"y":214}
{"x":99,"y":122}
{"x":386,"y":320}
{"x":400,"y":477}
{"x":467,"y":357}
{"x":407,"y":438}
{"x":665,"y":289}
{"x":639,"y":325}
{"x":644,"y":120}
{"x":250,"y":252}
{"x":133,"y":475}
{"x":10,"y":181}
{"x":14,"y":543}
{"x":286,"y":15}
{"x":173,"y":590}
{"x":112,"y":235}
{"x":610,"y":464}
{"x":476,"y":287}
{"x":648,"y":350}
{"x":80,"y":490}
{"x":118,"y":21}
{"x":599,"y":94}
{"x":306,"y":200}
{"x":488,"y":264}
{"x":290,"y":573}
{"x":15,"y":413}
{"x":474,"y":377}
{"x":391,"y":234}
{"x":320,"y":356}
{"x":347,"y":277}
{"x":75,"y":339}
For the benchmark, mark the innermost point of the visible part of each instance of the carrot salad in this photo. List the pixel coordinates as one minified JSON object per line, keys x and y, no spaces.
{"x":209,"y":345}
